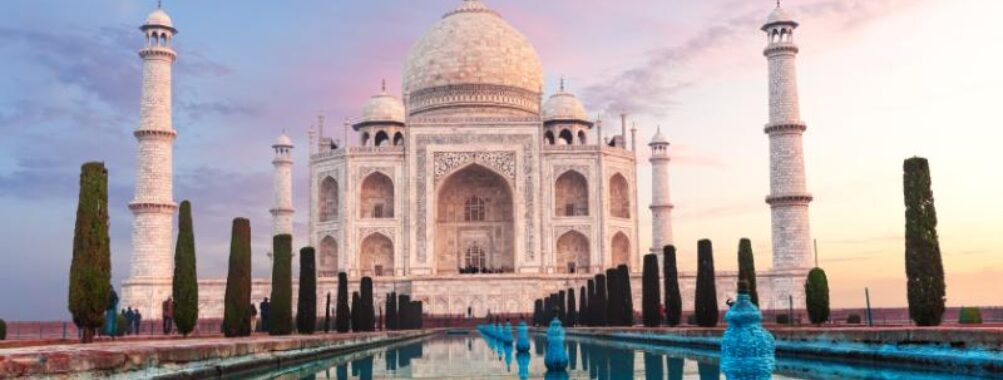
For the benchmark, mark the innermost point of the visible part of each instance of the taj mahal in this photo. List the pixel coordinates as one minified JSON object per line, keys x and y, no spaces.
{"x":472,"y":188}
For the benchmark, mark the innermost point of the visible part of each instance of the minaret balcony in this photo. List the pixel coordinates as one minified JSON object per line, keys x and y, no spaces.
{"x":158,"y":52}
{"x":781,"y":48}
{"x":153,"y":207}
{"x":789,"y":199}
{"x":787,"y":127}
{"x":153,"y":134}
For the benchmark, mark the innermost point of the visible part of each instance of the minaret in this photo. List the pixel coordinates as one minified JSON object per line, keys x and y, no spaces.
{"x":153,"y":206}
{"x":282,"y":207}
{"x":789,"y":197}
{"x":661,"y":205}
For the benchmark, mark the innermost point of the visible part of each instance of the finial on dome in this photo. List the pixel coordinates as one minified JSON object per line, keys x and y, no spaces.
{"x":562,"y":83}
{"x":383,"y":86}
{"x":159,"y":5}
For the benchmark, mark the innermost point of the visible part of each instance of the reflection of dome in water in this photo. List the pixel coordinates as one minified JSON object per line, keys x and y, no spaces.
{"x":473,"y":58}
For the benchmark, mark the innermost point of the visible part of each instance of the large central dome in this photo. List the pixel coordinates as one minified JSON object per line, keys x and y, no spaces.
{"x":472,"y":60}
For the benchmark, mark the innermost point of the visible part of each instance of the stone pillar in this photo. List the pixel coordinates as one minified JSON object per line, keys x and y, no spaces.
{"x":789,"y":197}
{"x":661,"y":204}
{"x":153,"y":206}
{"x":282,"y":206}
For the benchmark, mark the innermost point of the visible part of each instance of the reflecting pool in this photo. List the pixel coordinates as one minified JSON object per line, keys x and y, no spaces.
{"x":475,"y":357}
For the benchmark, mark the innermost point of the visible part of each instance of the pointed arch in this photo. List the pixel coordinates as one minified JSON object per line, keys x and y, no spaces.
{"x":328,"y":199}
{"x":328,"y":263}
{"x":581,"y":138}
{"x":571,"y":194}
{"x":365,"y":138}
{"x":619,"y":196}
{"x":376,"y":255}
{"x":474,"y":206}
{"x":376,"y":198}
{"x":548,"y":137}
{"x":572,"y":253}
{"x":566,"y":136}
{"x":381,"y":137}
{"x":620,"y":249}
{"x":398,"y":139}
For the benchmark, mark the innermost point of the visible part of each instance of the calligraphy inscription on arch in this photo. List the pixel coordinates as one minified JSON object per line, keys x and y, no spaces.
{"x":501,"y":162}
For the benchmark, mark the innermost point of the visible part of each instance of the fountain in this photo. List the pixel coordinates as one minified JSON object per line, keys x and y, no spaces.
{"x":522,"y":342}
{"x":556,"y":358}
{"x":507,"y":333}
{"x":747,"y":349}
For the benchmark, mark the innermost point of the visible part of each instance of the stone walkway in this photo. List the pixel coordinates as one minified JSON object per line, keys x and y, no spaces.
{"x":192,"y":356}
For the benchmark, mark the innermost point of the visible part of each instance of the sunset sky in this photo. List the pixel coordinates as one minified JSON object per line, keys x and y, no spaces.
{"x":880,"y":81}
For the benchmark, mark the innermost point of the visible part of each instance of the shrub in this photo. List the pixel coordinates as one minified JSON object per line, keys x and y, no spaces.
{"x":538,"y":312}
{"x":970,"y":316}
{"x":90,"y":269}
{"x":816,"y":289}
{"x":185,"y":288}
{"x":327,"y":314}
{"x":650,"y":294}
{"x":342,"y":313}
{"x":627,"y":303}
{"x":673,"y":300}
{"x":691,"y":319}
{"x":572,"y":312}
{"x":368,"y":313}
{"x":393,"y":314}
{"x":356,"y":312}
{"x":613,"y":297}
{"x":924,"y":266}
{"x":853,"y":319}
{"x":599,"y":314}
{"x":238,"y":279}
{"x":783,"y":319}
{"x":706,"y":293}
{"x":306,"y":306}
{"x":582,"y":306}
{"x":3,"y":329}
{"x":747,"y":268}
{"x":590,"y":313}
{"x":281,"y":320}
{"x":562,"y":307}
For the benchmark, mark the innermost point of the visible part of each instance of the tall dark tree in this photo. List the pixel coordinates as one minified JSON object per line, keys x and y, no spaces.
{"x":393,"y":314}
{"x":185,"y":290}
{"x":816,"y":289}
{"x":356,"y":312}
{"x":538,"y":312}
{"x":281,"y":320}
{"x":651,"y":314}
{"x":923,"y":264}
{"x":747,"y":268}
{"x":600,"y":304}
{"x":705,"y":309}
{"x":327,"y":314}
{"x":238,"y":281}
{"x":306,"y":306}
{"x":670,"y":275}
{"x":613,"y":298}
{"x":627,"y":308}
{"x":572,"y":313}
{"x":90,"y":269}
{"x":342,"y":314}
{"x":562,"y":307}
{"x":404,"y":312}
{"x":582,"y":306}
{"x":368,"y":313}
{"x":590,"y":311}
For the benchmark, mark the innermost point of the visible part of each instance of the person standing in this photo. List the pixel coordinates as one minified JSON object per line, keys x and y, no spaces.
{"x":137,"y":319}
{"x":266,"y":312}
{"x":111,"y":314}
{"x":128,"y":315}
{"x":254,"y":320}
{"x":168,"y":314}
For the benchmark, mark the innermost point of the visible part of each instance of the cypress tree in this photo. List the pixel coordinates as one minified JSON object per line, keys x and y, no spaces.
{"x":419,"y":314}
{"x":306,"y":306}
{"x":816,"y":289}
{"x":538,"y":312}
{"x":341,"y":315}
{"x":705,"y":309}
{"x":185,"y":289}
{"x":613,"y":297}
{"x":590,"y":311}
{"x":90,"y":269}
{"x":924,"y":266}
{"x":281,"y":320}
{"x":238,"y":280}
{"x":627,"y":308}
{"x":368,"y":314}
{"x":650,"y":294}
{"x":562,"y":307}
{"x":393,"y":314}
{"x":572,"y":312}
{"x":404,"y":312}
{"x":582,"y":307}
{"x":600,"y":304}
{"x":356,"y":312}
{"x":747,"y":268}
{"x":327,"y":314}
{"x":673,"y":300}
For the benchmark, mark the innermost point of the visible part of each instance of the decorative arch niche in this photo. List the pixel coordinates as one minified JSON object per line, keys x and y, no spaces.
{"x":571,"y":194}
{"x":474,"y":207}
{"x":376,"y":198}
{"x":328,"y":199}
{"x":572,"y":253}
{"x":619,"y":196}
{"x":328,"y":266}
{"x":376,"y":256}
{"x":620,"y":247}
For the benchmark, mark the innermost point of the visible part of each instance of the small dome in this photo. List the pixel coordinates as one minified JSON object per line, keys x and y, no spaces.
{"x":564,"y":106}
{"x":283,"y":140}
{"x":384,"y":108}
{"x":659,"y":138}
{"x":779,"y":16}
{"x":159,"y":18}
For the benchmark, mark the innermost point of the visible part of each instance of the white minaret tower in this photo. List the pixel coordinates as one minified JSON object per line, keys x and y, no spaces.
{"x":153,"y":206}
{"x":789,"y":197}
{"x":282,"y":207}
{"x":661,"y":205}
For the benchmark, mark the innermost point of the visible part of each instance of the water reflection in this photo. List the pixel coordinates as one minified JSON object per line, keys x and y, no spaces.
{"x":471,"y":356}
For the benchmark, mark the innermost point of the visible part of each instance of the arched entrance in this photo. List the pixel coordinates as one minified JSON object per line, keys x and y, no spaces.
{"x":376,"y":257}
{"x":328,"y":258}
{"x":571,"y":194}
{"x":621,"y":249}
{"x":572,"y":253}
{"x":474,"y":209}
{"x":377,"y":197}
{"x":328,"y":199}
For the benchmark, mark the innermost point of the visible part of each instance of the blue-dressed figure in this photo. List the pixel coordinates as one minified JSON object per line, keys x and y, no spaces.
{"x":111,"y":315}
{"x":556,"y":358}
{"x":522,"y":342}
{"x":747,"y":349}
{"x":507,"y":333}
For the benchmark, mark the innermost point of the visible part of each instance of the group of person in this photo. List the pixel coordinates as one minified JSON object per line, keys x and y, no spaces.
{"x":475,"y":270}
{"x":133,"y":320}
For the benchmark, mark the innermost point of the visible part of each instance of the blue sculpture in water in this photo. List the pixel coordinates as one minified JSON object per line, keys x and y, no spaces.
{"x":747,"y":349}
{"x":556,"y":358}
{"x":522,"y":342}
{"x":522,"y":358}
{"x":507,"y":333}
